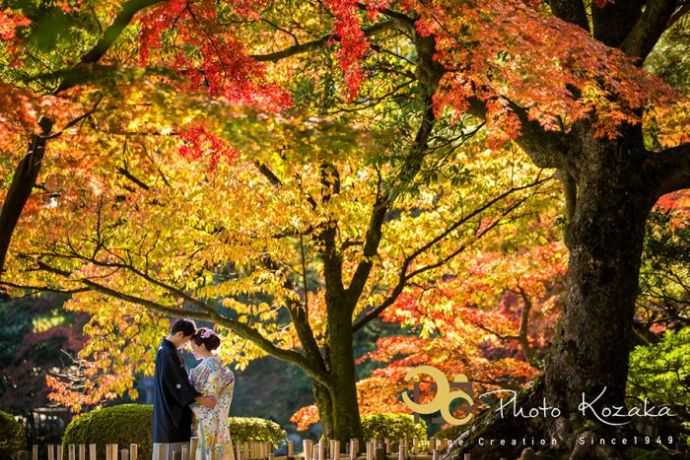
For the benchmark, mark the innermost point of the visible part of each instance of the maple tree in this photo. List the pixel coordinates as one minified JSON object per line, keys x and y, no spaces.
{"x":492,"y":319}
{"x":195,"y":191}
{"x":562,"y":79}
{"x":253,"y":264}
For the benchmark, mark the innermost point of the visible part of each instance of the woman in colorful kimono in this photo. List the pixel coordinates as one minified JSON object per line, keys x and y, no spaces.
{"x":210,"y":377}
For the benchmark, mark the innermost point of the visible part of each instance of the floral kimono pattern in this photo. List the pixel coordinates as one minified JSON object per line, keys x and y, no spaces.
{"x":211,"y":378}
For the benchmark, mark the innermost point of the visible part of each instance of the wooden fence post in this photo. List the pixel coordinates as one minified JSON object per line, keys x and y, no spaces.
{"x":92,"y":451}
{"x":71,"y":452}
{"x":335,"y":449}
{"x":380,"y":449}
{"x":134,"y":452}
{"x":51,"y":452}
{"x":82,"y":451}
{"x":353,"y":449}
{"x":235,"y":451}
{"x":290,"y":449}
{"x":466,"y":457}
{"x":321,"y":449}
{"x":308,"y":449}
{"x":124,"y":454}
{"x":193,"y":445}
{"x":34,"y":452}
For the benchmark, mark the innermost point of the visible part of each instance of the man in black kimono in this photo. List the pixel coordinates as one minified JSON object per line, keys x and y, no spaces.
{"x":173,"y":393}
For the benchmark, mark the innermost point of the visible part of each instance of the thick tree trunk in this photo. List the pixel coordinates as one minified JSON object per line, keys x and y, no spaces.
{"x":610,"y":194}
{"x":343,"y":390}
{"x":325,"y":405}
{"x":20,"y":189}
{"x":589,"y":357}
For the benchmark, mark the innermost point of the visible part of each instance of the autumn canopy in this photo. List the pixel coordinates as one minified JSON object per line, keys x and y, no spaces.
{"x":474,"y":179}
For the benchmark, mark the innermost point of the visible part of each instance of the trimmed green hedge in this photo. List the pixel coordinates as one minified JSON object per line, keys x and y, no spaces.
{"x":245,"y":429}
{"x":127,"y":424}
{"x":124,"y":424}
{"x":12,"y":436}
{"x":394,"y":426}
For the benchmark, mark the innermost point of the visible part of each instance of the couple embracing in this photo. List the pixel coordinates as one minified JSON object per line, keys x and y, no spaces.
{"x":199,"y":399}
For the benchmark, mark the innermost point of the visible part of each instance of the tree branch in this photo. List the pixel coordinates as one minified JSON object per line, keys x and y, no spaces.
{"x":613,"y":20}
{"x":648,"y":28}
{"x":523,"y":334}
{"x":371,"y":245}
{"x":677,"y":15}
{"x":23,"y":181}
{"x":32,"y":287}
{"x":429,"y":73}
{"x":318,"y":43}
{"x":547,"y":149}
{"x":572,"y":11}
{"x":206,"y":312}
{"x":298,"y":316}
{"x":122,"y":20}
{"x":404,"y":275}
{"x":670,"y":169}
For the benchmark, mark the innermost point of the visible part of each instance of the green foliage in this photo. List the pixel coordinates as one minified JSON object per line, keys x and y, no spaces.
{"x":124,"y":424}
{"x":245,"y":429}
{"x":12,"y":436}
{"x":393,"y":426}
{"x":115,"y":425}
{"x":661,"y":372}
{"x":669,"y":59}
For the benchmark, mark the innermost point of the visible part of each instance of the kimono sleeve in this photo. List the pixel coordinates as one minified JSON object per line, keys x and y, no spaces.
{"x":176,"y":381}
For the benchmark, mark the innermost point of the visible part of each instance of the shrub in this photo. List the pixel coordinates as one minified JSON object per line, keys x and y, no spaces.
{"x":12,"y":437}
{"x":393,"y":427}
{"x":127,"y":424}
{"x":124,"y":424}
{"x":660,"y":373}
{"x":245,"y":429}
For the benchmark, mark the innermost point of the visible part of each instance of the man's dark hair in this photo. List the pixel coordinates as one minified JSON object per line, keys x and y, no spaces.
{"x":186,"y":326}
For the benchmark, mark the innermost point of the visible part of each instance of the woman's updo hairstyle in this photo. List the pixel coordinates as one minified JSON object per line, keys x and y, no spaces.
{"x":208,"y":338}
